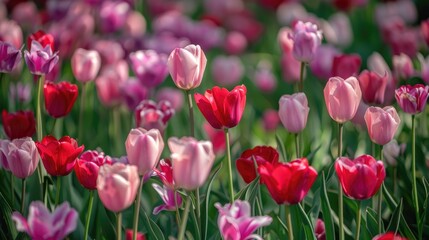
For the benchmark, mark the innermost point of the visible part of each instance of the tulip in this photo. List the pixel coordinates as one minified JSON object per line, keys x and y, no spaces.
{"x":172,"y":199}
{"x":382,"y":124}
{"x":342,"y":98}
{"x":85,"y":64}
{"x":151,"y":115}
{"x":319,"y":230}
{"x":109,"y":81}
{"x":270,"y":120}
{"x":165,"y":173}
{"x":338,"y":30}
{"x":133,"y":92}
{"x":20,"y":91}
{"x":11,"y":32}
{"x":117,"y":186}
{"x":227,"y":70}
{"x":424,"y":68}
{"x":359,"y":118}
{"x":26,"y":15}
{"x":18,"y":125}
{"x":59,"y":156}
{"x":110,"y":51}
{"x":45,"y":39}
{"x":4,"y":151}
{"x":186,"y":66}
{"x":40,"y":61}
{"x":144,"y":148}
{"x":172,"y":95}
{"x":235,"y":43}
{"x":41,"y":224}
{"x":391,"y":152}
{"x":286,"y":43}
{"x":307,"y":38}
{"x":216,"y":137}
{"x":388,"y":236}
{"x":59,"y":98}
{"x":264,"y":78}
{"x":293,"y":112}
{"x":373,"y":86}
{"x":346,"y":65}
{"x":424,"y":29}
{"x":323,"y":60}
{"x":22,"y":157}
{"x":235,"y":222}
{"x":135,"y":25}
{"x":87,"y":167}
{"x":259,"y":155}
{"x":129,"y":233}
{"x":290,"y":68}
{"x":412,"y":99}
{"x":403,"y":66}
{"x":360,"y":178}
{"x":113,"y":15}
{"x":296,"y":177}
{"x":192,"y":161}
{"x":150,"y":67}
{"x":377,"y":64}
{"x":221,"y":108}
{"x":10,"y":57}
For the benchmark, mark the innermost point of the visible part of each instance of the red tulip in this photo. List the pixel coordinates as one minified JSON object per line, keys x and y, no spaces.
{"x":261,"y":154}
{"x":373,"y":86}
{"x":221,"y":108}
{"x":18,"y":125}
{"x":165,"y":172}
{"x":59,"y":98}
{"x":45,"y":39}
{"x":87,"y":167}
{"x":346,"y":65}
{"x":288,"y":183}
{"x":59,"y":156}
{"x":129,"y":235}
{"x":360,"y":178}
{"x":388,"y":236}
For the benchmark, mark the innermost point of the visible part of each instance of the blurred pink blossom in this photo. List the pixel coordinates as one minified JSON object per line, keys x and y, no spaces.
{"x":235,"y":43}
{"x":26,"y":15}
{"x":11,"y":32}
{"x":133,"y":92}
{"x":172,"y":95}
{"x":270,"y":120}
{"x":227,"y":70}
{"x":321,"y":66}
{"x":113,"y":15}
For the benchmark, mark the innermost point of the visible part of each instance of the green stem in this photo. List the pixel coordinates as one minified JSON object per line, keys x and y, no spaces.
{"x":53,"y":127}
{"x":81,"y":112}
{"x":12,"y":187}
{"x":380,"y":200}
{"x":137,"y":209}
{"x":118,"y":225}
{"x":340,"y":189}
{"x":88,"y":214}
{"x":57,"y":197}
{"x":297,"y":147}
{"x":228,"y":151}
{"x":39,"y":123}
{"x":23,"y":196}
{"x":413,"y":163}
{"x":358,"y":221}
{"x":185,"y":218}
{"x":289,"y":222}
{"x":301,"y":77}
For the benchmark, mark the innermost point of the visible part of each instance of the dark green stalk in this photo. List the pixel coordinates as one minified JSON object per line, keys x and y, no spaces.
{"x":88,"y":214}
{"x":185,"y":218}
{"x":136,"y":210}
{"x":228,"y":151}
{"x":340,"y":189}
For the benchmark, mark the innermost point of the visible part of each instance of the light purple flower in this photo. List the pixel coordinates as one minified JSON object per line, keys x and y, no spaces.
{"x":227,"y":70}
{"x":403,"y":66}
{"x":10,"y":57}
{"x":149,"y":114}
{"x":113,"y":15}
{"x":133,"y":92}
{"x":235,"y":222}
{"x":322,"y":63}
{"x":4,"y":150}
{"x":168,"y":196}
{"x":22,"y":157}
{"x":41,"y":224}
{"x":150,"y":67}
{"x":40,"y":61}
{"x":172,"y":95}
{"x":307,"y":38}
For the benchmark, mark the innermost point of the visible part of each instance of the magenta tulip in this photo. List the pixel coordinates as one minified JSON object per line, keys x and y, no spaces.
{"x":151,"y":115}
{"x":307,"y":38}
{"x":87,"y":167}
{"x":22,"y":157}
{"x":85,"y":64}
{"x":40,"y":61}
{"x":169,"y":196}
{"x":323,"y":61}
{"x":149,"y":67}
{"x":403,"y":66}
{"x":412,"y":99}
{"x":10,"y":57}
{"x":346,"y":65}
{"x":373,"y":86}
{"x":382,"y":124}
{"x":293,"y":112}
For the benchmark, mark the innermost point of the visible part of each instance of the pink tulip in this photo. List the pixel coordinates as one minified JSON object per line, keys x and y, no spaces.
{"x":377,"y":64}
{"x":22,"y":157}
{"x":412,"y":99}
{"x":338,"y":30}
{"x":26,"y":15}
{"x":135,"y":24}
{"x":117,"y":186}
{"x":424,"y":29}
{"x":216,"y":137}
{"x":109,"y":81}
{"x":323,"y":60}
{"x":85,"y":64}
{"x":359,"y":118}
{"x":172,"y":199}
{"x":172,"y":95}
{"x":4,"y":151}
{"x":342,"y":98}
{"x":319,"y":230}
{"x":307,"y":38}
{"x":11,"y":33}
{"x":391,"y":152}
{"x":270,"y":120}
{"x":290,"y":68}
{"x":403,"y":66}
{"x":346,"y":65}
{"x":192,"y":161}
{"x":133,"y":92}
{"x":293,"y":112}
{"x":113,"y":15}
{"x":144,"y":148}
{"x":186,"y":66}
{"x":40,"y":61}
{"x":424,"y":66}
{"x":150,"y":67}
{"x":286,"y":44}
{"x":10,"y":57}
{"x":235,"y":222}
{"x":235,"y":43}
{"x":373,"y":86}
{"x":41,"y":224}
{"x":151,"y":115}
{"x":227,"y":70}
{"x":289,"y":12}
{"x":110,"y":51}
{"x":87,"y":167}
{"x":382,"y":124}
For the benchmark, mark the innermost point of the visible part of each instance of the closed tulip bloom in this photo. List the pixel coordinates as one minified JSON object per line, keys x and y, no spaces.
{"x":424,"y":30}
{"x":42,"y":224}
{"x":22,"y":157}
{"x":260,"y":154}
{"x":59,"y":98}
{"x":346,"y":65}
{"x":382,"y":124}
{"x":342,"y":98}
{"x":11,"y":32}
{"x":45,"y":39}
{"x":59,"y":156}
{"x":270,"y":120}
{"x":307,"y":38}
{"x":85,"y":64}
{"x":149,"y":67}
{"x":360,"y":178}
{"x":221,"y":108}
{"x":117,"y":186}
{"x":144,"y":148}
{"x":288,"y":183}
{"x":87,"y":167}
{"x":412,"y":99}
{"x":227,"y":70}
{"x":235,"y":43}
{"x":290,"y":68}
{"x":236,"y":223}
{"x":388,"y":236}
{"x":109,"y":82}
{"x":373,"y":87}
{"x":19,"y":124}
{"x":319,"y":230}
{"x":293,"y":112}
{"x":40,"y":60}
{"x":391,"y":152}
{"x":403,"y":66}
{"x":113,"y":15}
{"x":186,"y":66}
{"x":10,"y":57}
{"x":192,"y":161}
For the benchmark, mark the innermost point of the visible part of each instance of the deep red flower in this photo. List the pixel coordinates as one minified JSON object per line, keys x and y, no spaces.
{"x":129,"y":235}
{"x":290,"y":182}
{"x":388,"y":236}
{"x":58,"y":156}
{"x":261,"y":154}
{"x":59,"y":98}
{"x":43,"y":38}
{"x":360,"y":178}
{"x":222,"y":108}
{"x":165,"y":172}
{"x":373,"y":86}
{"x":19,"y":124}
{"x":346,"y":65}
{"x":87,"y":167}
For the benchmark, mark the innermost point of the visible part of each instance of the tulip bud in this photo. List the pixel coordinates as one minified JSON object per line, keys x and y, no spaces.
{"x":293,"y":112}
{"x":85,"y":64}
{"x":382,"y":124}
{"x":307,"y":38}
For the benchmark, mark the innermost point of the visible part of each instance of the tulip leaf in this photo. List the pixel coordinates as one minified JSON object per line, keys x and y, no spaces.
{"x":308,"y":226}
{"x":396,"y":218}
{"x":252,"y":190}
{"x":326,"y":211}
{"x":6,"y":222}
{"x":281,"y":148}
{"x":207,"y":201}
{"x":371,"y":221}
{"x":151,"y":226}
{"x":244,"y":190}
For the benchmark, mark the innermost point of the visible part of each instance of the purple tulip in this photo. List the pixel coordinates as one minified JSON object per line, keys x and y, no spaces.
{"x":412,"y":99}
{"x":113,"y":15}
{"x":307,"y":38}
{"x":40,"y":61}
{"x":293,"y":111}
{"x":235,"y":222}
{"x":41,"y":224}
{"x":22,"y":157}
{"x":169,"y":196}
{"x":4,"y":150}
{"x":133,"y":92}
{"x":149,"y":67}
{"x":10,"y":57}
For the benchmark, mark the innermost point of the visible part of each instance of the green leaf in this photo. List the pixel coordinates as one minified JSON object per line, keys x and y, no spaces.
{"x":281,"y":148}
{"x":151,"y":226}
{"x":6,"y":222}
{"x":308,"y":226}
{"x":207,"y":201}
{"x":395,"y":219}
{"x":371,"y":221}
{"x":244,"y":190}
{"x":326,"y":211}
